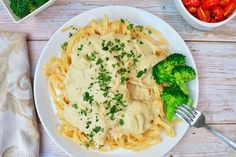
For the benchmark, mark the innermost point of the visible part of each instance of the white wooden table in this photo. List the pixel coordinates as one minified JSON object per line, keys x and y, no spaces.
{"x":214,"y":52}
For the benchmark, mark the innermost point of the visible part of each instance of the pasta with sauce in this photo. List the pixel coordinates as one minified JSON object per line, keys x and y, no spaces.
{"x":103,"y":89}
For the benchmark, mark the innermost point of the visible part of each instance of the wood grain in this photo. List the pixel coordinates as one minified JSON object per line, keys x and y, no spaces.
{"x":196,"y":142}
{"x":45,"y":24}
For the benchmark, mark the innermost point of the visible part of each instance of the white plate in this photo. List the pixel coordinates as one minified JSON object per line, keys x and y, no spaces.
{"x":45,"y":106}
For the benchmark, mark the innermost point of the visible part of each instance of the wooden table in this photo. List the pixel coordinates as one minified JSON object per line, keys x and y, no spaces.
{"x":214,"y":52}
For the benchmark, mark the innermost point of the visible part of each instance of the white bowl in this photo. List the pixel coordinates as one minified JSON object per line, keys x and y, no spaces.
{"x":16,"y":19}
{"x":196,"y":23}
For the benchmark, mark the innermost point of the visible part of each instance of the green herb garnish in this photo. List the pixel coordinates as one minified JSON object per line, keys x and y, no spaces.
{"x":121,"y":122}
{"x":122,"y":20}
{"x":141,"y":73}
{"x":81,"y":47}
{"x":87,"y":97}
{"x":99,"y":61}
{"x":97,"y":129}
{"x":91,"y":57}
{"x":64,"y":45}
{"x":75,"y":106}
{"x":88,"y":124}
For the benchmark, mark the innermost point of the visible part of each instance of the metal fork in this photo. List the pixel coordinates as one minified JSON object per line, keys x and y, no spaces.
{"x":196,"y":119}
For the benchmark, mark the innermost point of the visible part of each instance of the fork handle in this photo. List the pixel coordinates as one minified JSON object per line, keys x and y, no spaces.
{"x":222,"y":137}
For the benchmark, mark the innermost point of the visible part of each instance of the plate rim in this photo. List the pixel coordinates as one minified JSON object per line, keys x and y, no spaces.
{"x":37,"y":69}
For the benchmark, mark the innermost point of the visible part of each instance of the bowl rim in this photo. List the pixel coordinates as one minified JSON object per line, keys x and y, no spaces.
{"x":202,"y":23}
{"x":38,"y":75}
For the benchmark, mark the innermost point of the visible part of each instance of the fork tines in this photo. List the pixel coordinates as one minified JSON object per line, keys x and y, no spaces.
{"x":186,"y":112}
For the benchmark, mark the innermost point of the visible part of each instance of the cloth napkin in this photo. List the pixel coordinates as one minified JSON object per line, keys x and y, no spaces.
{"x":19,"y":135}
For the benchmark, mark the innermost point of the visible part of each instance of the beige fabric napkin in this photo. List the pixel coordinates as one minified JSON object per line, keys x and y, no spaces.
{"x":18,"y":127}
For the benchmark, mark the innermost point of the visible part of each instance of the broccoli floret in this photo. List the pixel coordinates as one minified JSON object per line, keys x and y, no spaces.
{"x":20,"y":7}
{"x":40,"y":2}
{"x":162,"y":72}
{"x":24,"y":7}
{"x":183,"y":74}
{"x":173,"y":97}
{"x":176,"y":74}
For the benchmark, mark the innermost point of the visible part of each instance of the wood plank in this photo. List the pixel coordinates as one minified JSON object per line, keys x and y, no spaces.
{"x":45,"y":24}
{"x":196,"y":143}
{"x":216,"y":64}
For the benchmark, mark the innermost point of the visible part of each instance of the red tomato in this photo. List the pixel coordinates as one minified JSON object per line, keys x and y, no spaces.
{"x":213,"y":20}
{"x":218,"y":13}
{"x":223,"y":3}
{"x":229,"y":8}
{"x":192,"y":10}
{"x":203,"y":15}
{"x":209,"y":4}
{"x":191,"y":3}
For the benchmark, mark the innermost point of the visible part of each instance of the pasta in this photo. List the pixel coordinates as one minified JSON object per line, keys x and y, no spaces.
{"x":102,"y":87}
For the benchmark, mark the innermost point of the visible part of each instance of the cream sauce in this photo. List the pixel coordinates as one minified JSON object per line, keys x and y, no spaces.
{"x":91,"y":114}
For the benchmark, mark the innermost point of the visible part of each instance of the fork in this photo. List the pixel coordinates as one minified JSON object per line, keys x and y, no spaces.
{"x":196,"y":119}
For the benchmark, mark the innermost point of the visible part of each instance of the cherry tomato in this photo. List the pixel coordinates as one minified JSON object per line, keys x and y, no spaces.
{"x":209,"y":4}
{"x":223,"y":3}
{"x":213,"y":20}
{"x":229,"y":8}
{"x":203,"y":15}
{"x":218,"y":13}
{"x":191,"y":3}
{"x":192,"y":10}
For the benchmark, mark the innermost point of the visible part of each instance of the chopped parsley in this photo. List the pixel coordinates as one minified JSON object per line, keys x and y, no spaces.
{"x":64,"y":45}
{"x":90,"y":85}
{"x":70,"y":34}
{"x":130,"y":54}
{"x":122,"y":20}
{"x":75,"y":106}
{"x":103,"y":79}
{"x":106,"y":45}
{"x":88,"y":98}
{"x":141,"y":73}
{"x":99,"y":61}
{"x":122,"y":71}
{"x":81,"y":47}
{"x":118,"y":106}
{"x":113,"y":65}
{"x":90,"y":137}
{"x":110,"y":46}
{"x":123,"y":80}
{"x":88,"y":124}
{"x":83,"y":112}
{"x":118,"y":98}
{"x":140,"y":42}
{"x":105,"y":94}
{"x":105,"y":48}
{"x":97,"y":119}
{"x":112,"y":111}
{"x":130,"y":26}
{"x":140,"y":27}
{"x":97,"y":129}
{"x":91,"y":57}
{"x":121,"y":122}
